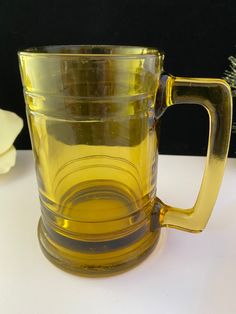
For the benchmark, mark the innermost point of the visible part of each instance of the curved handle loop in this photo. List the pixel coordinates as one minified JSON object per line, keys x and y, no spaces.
{"x":215,"y":96}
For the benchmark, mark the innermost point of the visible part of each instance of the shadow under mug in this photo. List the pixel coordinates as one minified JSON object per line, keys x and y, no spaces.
{"x":93,"y":114}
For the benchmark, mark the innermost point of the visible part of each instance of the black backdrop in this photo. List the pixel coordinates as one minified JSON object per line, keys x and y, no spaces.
{"x":197,"y":37}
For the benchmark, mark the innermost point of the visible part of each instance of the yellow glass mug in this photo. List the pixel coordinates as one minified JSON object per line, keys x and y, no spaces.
{"x":93,"y":114}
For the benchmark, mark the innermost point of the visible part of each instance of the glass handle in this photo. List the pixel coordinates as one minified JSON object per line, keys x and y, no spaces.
{"x":215,"y":96}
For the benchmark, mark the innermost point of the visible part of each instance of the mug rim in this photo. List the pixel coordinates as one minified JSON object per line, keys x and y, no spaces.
{"x":110,"y":51}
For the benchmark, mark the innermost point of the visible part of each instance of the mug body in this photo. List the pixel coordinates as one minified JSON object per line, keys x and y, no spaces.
{"x":94,"y":134}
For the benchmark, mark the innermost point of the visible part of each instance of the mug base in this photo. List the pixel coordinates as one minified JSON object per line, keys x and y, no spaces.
{"x":97,"y":264}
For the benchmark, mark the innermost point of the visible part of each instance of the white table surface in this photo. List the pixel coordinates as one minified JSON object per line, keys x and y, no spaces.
{"x":186,"y":273}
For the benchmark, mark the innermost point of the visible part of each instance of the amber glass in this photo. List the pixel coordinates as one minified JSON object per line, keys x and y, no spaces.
{"x":93,"y":114}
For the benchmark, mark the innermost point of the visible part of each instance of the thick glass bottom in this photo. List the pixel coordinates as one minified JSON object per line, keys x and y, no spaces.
{"x":97,"y":259}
